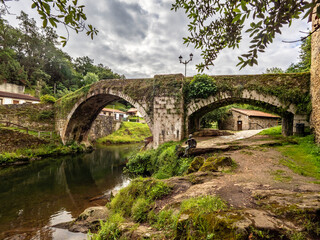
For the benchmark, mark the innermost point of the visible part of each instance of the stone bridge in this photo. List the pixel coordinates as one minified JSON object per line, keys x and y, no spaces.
{"x":171,"y":114}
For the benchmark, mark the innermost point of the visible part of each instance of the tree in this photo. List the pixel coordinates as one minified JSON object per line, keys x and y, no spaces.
{"x":64,"y":12}
{"x":215,"y":25}
{"x":303,"y":65}
{"x":305,"y":58}
{"x":10,"y":69}
{"x":274,"y":70}
{"x":90,"y":78}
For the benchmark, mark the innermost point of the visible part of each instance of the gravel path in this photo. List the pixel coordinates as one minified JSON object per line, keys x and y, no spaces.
{"x":225,"y":139}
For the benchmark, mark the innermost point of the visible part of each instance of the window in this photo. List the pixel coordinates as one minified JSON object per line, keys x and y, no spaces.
{"x":15,"y":101}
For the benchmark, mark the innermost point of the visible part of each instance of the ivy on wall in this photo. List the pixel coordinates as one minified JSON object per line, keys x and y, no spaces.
{"x":288,"y":88}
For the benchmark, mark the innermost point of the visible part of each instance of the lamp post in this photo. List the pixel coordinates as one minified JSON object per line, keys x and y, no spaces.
{"x":185,"y":63}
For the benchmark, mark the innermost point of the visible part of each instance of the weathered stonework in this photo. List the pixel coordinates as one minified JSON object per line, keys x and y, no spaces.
{"x":315,"y":79}
{"x":169,"y":112}
{"x":103,"y":126}
{"x":38,"y":117}
{"x":247,"y":122}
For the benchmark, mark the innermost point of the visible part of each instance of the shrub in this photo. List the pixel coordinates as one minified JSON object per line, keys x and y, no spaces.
{"x":47,"y":99}
{"x":160,"y":163}
{"x":140,"y":164}
{"x":202,"y":86}
{"x":109,"y":229}
{"x":140,"y":188}
{"x":140,"y":209}
{"x":166,"y":219}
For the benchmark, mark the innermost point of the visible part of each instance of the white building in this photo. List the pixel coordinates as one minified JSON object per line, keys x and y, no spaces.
{"x":14,"y":94}
{"x":117,"y":114}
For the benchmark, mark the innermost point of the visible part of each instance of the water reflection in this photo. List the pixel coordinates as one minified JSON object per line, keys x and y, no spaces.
{"x":50,"y":191}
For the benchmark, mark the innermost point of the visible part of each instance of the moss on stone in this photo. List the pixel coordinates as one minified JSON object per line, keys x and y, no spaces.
{"x":195,"y":164}
{"x":288,"y":88}
{"x":214,"y":164}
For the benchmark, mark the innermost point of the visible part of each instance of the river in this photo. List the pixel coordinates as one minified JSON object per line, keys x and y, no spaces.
{"x":43,"y":193}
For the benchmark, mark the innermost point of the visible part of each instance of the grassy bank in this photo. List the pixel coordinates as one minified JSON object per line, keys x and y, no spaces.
{"x":17,"y":146}
{"x":129,"y":132}
{"x":138,"y":203}
{"x":302,"y":156}
{"x":27,"y":154}
{"x":160,"y":163}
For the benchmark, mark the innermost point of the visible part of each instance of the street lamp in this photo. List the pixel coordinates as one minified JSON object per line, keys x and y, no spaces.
{"x":185,"y":63}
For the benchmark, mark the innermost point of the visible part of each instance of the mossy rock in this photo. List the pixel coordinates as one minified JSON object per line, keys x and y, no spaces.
{"x":195,"y":164}
{"x":215,"y":164}
{"x":209,"y":165}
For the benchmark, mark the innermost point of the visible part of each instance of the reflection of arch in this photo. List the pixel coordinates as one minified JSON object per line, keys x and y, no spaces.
{"x":85,"y":111}
{"x":199,"y":107}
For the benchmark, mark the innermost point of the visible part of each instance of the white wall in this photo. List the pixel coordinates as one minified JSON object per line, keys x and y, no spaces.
{"x":10,"y":101}
{"x":12,"y":88}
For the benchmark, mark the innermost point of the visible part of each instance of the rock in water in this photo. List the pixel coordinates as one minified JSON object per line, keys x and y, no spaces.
{"x":89,"y":219}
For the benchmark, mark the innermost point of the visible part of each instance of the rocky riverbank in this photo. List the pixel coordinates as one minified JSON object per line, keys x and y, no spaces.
{"x":259,"y":198}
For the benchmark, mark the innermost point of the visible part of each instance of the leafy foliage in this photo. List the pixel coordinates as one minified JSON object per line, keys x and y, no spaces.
{"x":136,"y":198}
{"x":30,"y":56}
{"x":68,"y":13}
{"x":47,"y":99}
{"x":160,"y":163}
{"x":304,"y":63}
{"x":202,"y":86}
{"x":215,"y":25}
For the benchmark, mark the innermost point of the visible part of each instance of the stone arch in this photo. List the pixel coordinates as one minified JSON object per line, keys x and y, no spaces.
{"x":87,"y":108}
{"x":199,"y":107}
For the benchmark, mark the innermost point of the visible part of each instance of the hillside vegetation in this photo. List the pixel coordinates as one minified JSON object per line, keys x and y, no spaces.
{"x":129,"y":132}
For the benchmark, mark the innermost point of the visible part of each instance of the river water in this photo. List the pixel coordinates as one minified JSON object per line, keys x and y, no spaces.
{"x":43,"y":193}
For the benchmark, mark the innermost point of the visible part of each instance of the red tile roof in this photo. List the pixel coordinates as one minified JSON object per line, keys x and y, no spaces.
{"x":254,"y":113}
{"x":132,"y":110}
{"x":112,"y":110}
{"x":18,"y":96}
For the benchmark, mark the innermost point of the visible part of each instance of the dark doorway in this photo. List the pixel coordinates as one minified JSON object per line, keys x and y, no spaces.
{"x":239,"y":125}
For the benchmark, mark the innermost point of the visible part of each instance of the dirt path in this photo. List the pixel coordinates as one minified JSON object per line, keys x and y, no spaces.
{"x":259,"y":168}
{"x":226,"y":139}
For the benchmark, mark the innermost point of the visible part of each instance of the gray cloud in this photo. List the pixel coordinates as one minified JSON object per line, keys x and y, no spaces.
{"x":141,"y":38}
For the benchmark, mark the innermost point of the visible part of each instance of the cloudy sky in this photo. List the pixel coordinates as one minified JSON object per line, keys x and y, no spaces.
{"x":141,"y":38}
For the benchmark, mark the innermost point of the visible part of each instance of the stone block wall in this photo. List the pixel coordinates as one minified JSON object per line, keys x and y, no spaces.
{"x":315,"y":79}
{"x":168,"y":122}
{"x":38,"y":117}
{"x":103,"y":126}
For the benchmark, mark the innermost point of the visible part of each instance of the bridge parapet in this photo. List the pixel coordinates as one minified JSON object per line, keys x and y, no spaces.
{"x":169,"y":111}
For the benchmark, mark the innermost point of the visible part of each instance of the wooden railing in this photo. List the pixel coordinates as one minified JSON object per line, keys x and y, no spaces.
{"x":8,"y":124}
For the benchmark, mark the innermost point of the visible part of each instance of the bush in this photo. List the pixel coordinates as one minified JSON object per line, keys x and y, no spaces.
{"x":109,"y":229}
{"x":202,"y":86}
{"x":160,"y":163}
{"x":47,"y":99}
{"x":129,"y":200}
{"x":140,"y":209}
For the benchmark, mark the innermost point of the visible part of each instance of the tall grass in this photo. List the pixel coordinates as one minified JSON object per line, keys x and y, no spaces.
{"x":129,"y":132}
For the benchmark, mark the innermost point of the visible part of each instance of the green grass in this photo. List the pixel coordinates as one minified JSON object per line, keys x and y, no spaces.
{"x":273,"y":131}
{"x":39,"y":152}
{"x":160,"y":163}
{"x":303,"y":158}
{"x":202,"y":205}
{"x":129,"y":132}
{"x":281,"y":176}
